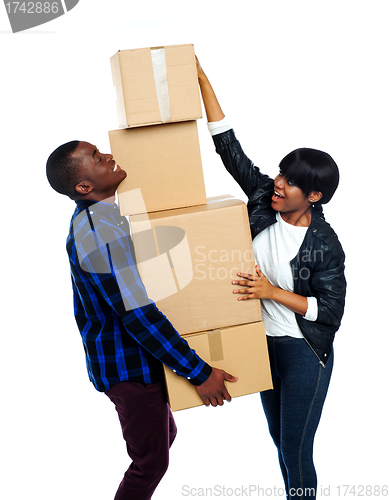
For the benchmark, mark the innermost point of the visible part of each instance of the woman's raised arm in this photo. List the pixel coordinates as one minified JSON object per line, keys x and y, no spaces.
{"x":214,"y":112}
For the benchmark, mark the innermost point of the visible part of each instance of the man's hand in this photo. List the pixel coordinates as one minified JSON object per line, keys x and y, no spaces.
{"x":213,"y":391}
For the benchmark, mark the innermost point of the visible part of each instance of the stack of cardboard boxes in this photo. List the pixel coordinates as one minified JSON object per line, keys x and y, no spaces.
{"x":188,"y":248}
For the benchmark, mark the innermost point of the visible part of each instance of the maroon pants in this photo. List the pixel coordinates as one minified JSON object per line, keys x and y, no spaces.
{"x":149,"y":430}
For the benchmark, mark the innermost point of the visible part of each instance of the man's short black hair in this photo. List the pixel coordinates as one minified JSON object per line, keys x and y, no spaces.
{"x":62,"y":171}
{"x":311,"y":170}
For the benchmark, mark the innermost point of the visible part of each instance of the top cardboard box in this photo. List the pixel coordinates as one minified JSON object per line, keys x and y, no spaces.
{"x":156,"y":85}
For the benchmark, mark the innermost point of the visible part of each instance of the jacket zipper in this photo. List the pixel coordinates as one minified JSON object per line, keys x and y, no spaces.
{"x":321,"y":362}
{"x":307,"y":342}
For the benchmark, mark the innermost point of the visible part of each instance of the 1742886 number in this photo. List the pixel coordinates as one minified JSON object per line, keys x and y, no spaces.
{"x":365,"y":491}
{"x":33,"y":7}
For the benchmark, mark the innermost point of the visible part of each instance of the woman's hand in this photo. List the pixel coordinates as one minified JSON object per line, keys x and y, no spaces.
{"x":257,"y":286}
{"x":201,"y":73}
{"x":214,"y":112}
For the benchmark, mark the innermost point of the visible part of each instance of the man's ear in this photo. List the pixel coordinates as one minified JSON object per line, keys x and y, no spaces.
{"x":84,"y":187}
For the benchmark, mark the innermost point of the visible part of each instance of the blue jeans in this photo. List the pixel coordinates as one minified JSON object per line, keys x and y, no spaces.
{"x":293,"y":410}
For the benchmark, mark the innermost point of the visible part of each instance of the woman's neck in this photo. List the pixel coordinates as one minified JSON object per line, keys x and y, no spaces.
{"x":298,"y":218}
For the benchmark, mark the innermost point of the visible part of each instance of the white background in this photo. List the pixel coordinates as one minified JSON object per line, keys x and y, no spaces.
{"x":288,"y":74}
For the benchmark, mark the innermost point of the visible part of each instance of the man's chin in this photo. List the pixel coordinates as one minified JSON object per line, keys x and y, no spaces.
{"x":124,"y":175}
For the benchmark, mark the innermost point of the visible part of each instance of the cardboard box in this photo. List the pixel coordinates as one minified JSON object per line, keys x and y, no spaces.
{"x":164,"y":162}
{"x":156,"y":85}
{"x":241,"y":351}
{"x":187,"y":259}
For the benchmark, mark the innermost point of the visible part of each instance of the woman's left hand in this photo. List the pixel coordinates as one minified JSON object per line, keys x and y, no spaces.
{"x":257,"y":286}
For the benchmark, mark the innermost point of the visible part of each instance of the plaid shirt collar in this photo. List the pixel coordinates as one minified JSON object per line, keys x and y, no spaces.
{"x":98,"y":205}
{"x":106,"y":209}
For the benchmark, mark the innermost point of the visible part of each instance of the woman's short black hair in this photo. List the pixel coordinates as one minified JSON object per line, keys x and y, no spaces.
{"x":62,"y":170}
{"x":311,"y":170}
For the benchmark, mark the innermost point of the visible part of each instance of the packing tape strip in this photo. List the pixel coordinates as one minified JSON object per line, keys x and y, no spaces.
{"x":226,"y":197}
{"x":161,"y":81}
{"x":215,"y":345}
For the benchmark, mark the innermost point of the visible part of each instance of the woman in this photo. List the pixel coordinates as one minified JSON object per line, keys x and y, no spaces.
{"x":300,"y":281}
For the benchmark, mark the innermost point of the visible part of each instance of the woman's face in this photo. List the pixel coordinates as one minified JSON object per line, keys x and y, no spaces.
{"x":287,"y":197}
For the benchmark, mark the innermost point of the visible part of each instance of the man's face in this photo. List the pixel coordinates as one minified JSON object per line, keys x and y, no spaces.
{"x":98,"y":170}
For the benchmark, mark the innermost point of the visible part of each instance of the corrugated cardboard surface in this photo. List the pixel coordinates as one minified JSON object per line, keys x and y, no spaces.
{"x":164,"y":162}
{"x":187,"y":259}
{"x":241,"y":351}
{"x":137,"y":93}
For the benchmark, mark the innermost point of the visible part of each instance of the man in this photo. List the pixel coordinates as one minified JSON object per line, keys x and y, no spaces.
{"x":125,"y":337}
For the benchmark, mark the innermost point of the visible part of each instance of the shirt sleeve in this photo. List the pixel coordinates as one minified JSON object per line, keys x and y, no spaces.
{"x":106,"y":262}
{"x":219,"y":127}
{"x":312,"y":309}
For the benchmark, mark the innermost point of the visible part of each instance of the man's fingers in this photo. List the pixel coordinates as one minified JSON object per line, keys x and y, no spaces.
{"x":226,"y":395}
{"x":214,"y":391}
{"x":217,"y":401}
{"x":230,"y":378}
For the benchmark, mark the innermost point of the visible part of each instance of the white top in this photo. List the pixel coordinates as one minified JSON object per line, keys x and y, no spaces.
{"x":274,"y":248}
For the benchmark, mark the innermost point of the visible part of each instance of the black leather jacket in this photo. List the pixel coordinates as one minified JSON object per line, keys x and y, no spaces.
{"x":318,"y":268}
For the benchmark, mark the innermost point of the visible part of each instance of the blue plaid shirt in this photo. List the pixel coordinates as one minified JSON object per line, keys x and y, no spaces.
{"x":125,"y":336}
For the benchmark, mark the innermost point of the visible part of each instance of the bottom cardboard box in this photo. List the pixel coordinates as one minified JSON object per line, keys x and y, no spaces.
{"x":239,"y":350}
